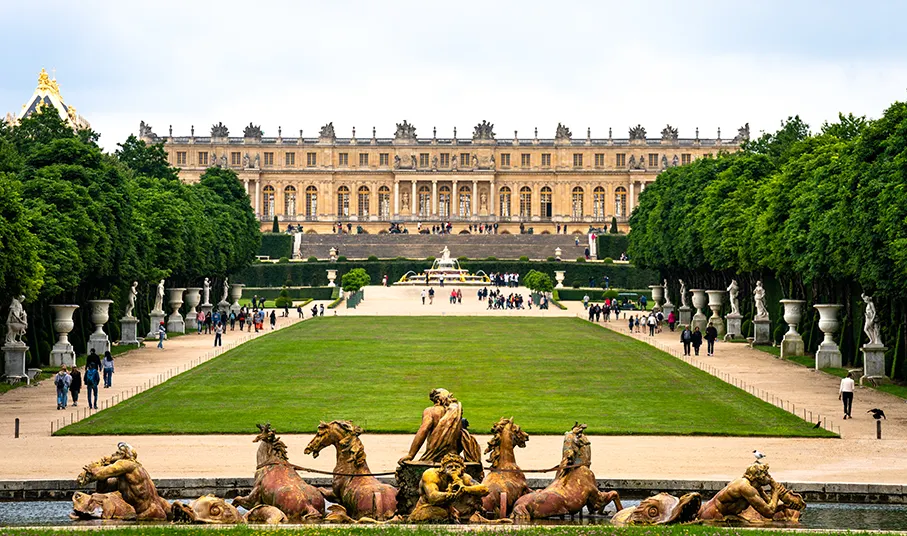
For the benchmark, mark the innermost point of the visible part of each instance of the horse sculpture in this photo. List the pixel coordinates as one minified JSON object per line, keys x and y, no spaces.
{"x":362,"y":496}
{"x":573,"y":488}
{"x":505,"y":475}
{"x":277,"y":484}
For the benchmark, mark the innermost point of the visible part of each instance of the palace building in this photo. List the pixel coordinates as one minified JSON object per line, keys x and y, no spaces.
{"x":47,"y":94}
{"x":371,"y":182}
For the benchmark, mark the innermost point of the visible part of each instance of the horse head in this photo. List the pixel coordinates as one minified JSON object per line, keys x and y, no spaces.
{"x":271,"y":445}
{"x":505,"y":435}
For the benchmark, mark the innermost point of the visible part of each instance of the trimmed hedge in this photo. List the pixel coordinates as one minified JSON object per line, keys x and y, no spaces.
{"x":611,"y":245}
{"x":315,"y":273}
{"x":276,"y":245}
{"x":297,"y":293}
{"x":597,"y":294}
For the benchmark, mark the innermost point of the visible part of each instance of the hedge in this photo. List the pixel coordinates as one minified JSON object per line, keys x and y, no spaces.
{"x":276,"y":245}
{"x":611,"y":245}
{"x":596,"y":294}
{"x":297,"y":293}
{"x":315,"y":273}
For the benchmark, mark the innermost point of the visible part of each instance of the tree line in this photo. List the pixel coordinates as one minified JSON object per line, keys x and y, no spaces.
{"x":822,"y":216}
{"x":77,"y":224}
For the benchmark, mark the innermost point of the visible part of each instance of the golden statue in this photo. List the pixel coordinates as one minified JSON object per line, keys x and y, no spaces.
{"x":44,"y":82}
{"x":745,"y":499}
{"x":442,"y":431}
{"x":448,"y":494}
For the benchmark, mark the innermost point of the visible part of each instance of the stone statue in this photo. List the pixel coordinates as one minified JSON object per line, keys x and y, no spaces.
{"x":454,"y":162}
{"x":667,"y":302}
{"x":448,"y":494}
{"x":223,"y":160}
{"x":664,"y":161}
{"x":252,"y":131}
{"x":732,"y":292}
{"x":396,"y":161}
{"x":669,"y":133}
{"x":257,"y":163}
{"x":405,"y":131}
{"x":327,"y":131}
{"x":637,"y":133}
{"x":491,"y":161}
{"x":245,"y":161}
{"x":130,"y":305}
{"x":660,"y":509}
{"x":445,"y":254}
{"x":743,"y":133}
{"x":483,"y":131}
{"x":434,"y":163}
{"x":226,"y":290}
{"x":870,"y":325}
{"x":219,"y":131}
{"x":674,"y":161}
{"x":759,"y":297}
{"x":475,"y":160}
{"x":145,"y":131}
{"x":442,"y":430}
{"x":632,"y":163}
{"x":684,"y":300}
{"x":123,"y":475}
{"x":745,"y":499}
{"x":159,"y":297}
{"x":405,"y":199}
{"x":207,"y":291}
{"x":16,"y":322}
{"x":562,"y":133}
{"x":412,"y":160}
{"x":483,"y":200}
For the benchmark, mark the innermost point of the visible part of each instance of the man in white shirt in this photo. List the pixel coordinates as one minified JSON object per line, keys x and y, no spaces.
{"x":423,"y":296}
{"x":845,"y":394}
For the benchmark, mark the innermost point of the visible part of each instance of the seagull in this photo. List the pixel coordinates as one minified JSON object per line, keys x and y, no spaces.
{"x":877,"y":414}
{"x":758,"y":456}
{"x":818,"y":424}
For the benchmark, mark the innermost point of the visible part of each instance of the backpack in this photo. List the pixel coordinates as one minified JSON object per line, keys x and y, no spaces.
{"x":91,"y":376}
{"x":59,"y":380}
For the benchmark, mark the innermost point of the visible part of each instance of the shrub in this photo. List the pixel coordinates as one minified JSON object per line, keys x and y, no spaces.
{"x":491,"y":258}
{"x":551,"y":259}
{"x":462,"y":259}
{"x":275,"y":228}
{"x":524,"y":258}
{"x":283,"y":260}
{"x":780,"y":330}
{"x":355,"y":279}
{"x":610,"y":294}
{"x":555,"y":295}
{"x":608,"y":260}
{"x":276,"y":246}
{"x":577,"y":283}
{"x":372,"y":258}
{"x":284,"y":299}
{"x":341,"y":259}
{"x":613,"y":229}
{"x":405,"y":259}
{"x":581,"y":259}
{"x":312,"y":259}
{"x":429,"y":259}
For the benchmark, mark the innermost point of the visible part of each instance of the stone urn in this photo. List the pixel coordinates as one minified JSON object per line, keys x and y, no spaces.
{"x":236,"y":295}
{"x":333,"y":255}
{"x":716,"y":298}
{"x":792,"y":344}
{"x":557,"y":254}
{"x":175,"y":322}
{"x":62,"y":352}
{"x":828,"y":354}
{"x":658,"y":295}
{"x":332,"y":275}
{"x":699,"y":302}
{"x":100,"y":313}
{"x":193,"y":298}
{"x":559,"y":277}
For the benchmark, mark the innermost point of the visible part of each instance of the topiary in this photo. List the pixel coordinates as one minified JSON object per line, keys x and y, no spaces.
{"x":491,"y":258}
{"x":275,"y":227}
{"x":524,"y":258}
{"x":613,"y":229}
{"x":372,"y":258}
{"x":581,"y":259}
{"x":462,"y":259}
{"x":312,"y":259}
{"x":577,"y":283}
{"x":608,"y":260}
{"x":551,"y":259}
{"x":283,"y":260}
{"x":341,"y":259}
{"x":610,"y":294}
{"x":429,"y":259}
{"x":283,"y":300}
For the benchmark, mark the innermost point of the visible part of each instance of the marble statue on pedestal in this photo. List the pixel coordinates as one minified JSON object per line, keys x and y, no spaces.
{"x":667,"y":295}
{"x":759,"y":296}
{"x":130,"y":305}
{"x":732,"y":291}
{"x":226,"y":290}
{"x":159,"y":298}
{"x":16,"y":322}
{"x":207,"y":299}
{"x":683,"y":294}
{"x":871,"y":322}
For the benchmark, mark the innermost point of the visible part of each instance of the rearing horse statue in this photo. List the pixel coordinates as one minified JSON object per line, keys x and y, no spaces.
{"x":277,"y":484}
{"x":505,"y":475}
{"x":362,"y":496}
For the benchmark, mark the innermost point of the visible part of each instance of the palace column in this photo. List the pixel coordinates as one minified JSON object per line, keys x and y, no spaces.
{"x":454,"y":200}
{"x":258,"y":198}
{"x":396,"y":197}
{"x":630,"y":199}
{"x":245,"y":183}
{"x":434,"y":198}
{"x":475,"y":195}
{"x":491,"y":198}
{"x":413,"y":200}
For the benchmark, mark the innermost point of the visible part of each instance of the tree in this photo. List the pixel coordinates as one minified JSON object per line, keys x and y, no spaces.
{"x":355,"y":279}
{"x":275,"y":228}
{"x":613,"y":229}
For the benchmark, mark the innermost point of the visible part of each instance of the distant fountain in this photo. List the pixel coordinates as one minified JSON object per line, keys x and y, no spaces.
{"x":445,"y":269}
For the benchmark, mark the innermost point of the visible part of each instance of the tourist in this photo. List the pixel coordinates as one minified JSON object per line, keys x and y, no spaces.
{"x":218,"y":334}
{"x":651,"y":322}
{"x":671,"y":320}
{"x":92,"y":379}
{"x":631,"y":324}
{"x":315,"y":310}
{"x":576,"y":241}
{"x":711,"y":333}
{"x":643,"y":302}
{"x":686,"y":337}
{"x":93,"y":360}
{"x":108,"y":369}
{"x":233,"y":320}
{"x":209,"y":320}
{"x":431,"y":296}
{"x":636,"y":323}
{"x":242,"y":318}
{"x":61,"y":382}
{"x":298,"y":313}
{"x":586,"y":301}
{"x":459,"y":296}
{"x":75,"y":385}
{"x":423,"y":294}
{"x":273,"y":319}
{"x":697,"y":340}
{"x":845,"y":394}
{"x":161,"y":333}
{"x":384,"y":280}
{"x":322,"y":310}
{"x":200,"y":321}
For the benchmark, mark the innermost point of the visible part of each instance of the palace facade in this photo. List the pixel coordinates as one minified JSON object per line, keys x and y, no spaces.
{"x":371,"y":182}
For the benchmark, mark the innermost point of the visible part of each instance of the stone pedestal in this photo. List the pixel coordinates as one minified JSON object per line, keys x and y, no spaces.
{"x":559,"y":277}
{"x":792,"y":343}
{"x":716,"y":297}
{"x":734,"y":326}
{"x":409,"y":477}
{"x":14,"y":360}
{"x":193,"y":296}
{"x":63,"y":352}
{"x":873,"y":363}
{"x":206,"y":308}
{"x":129,"y":330}
{"x":699,"y":302}
{"x":667,"y":309}
{"x":762,"y":331}
{"x":686,"y":315}
{"x":156,"y":318}
{"x":828,"y":354}
{"x":175,"y":322}
{"x":98,"y":340}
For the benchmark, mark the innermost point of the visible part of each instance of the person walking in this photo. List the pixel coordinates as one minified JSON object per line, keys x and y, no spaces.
{"x":586,"y":301}
{"x":92,"y":379}
{"x":161,"y":333}
{"x":651,"y":321}
{"x":232,"y":320}
{"x":321,"y":310}
{"x":630,"y":326}
{"x":273,"y":319}
{"x":845,"y":394}
{"x":671,"y":320}
{"x":710,"y":335}
{"x":423,"y":294}
{"x":686,"y":337}
{"x":75,"y":385}
{"x":431,"y":296}
{"x":93,"y":360}
{"x":218,"y":335}
{"x":298,"y":313}
{"x":200,"y":321}
{"x":108,"y":369}
{"x":697,"y":340}
{"x":61,"y":382}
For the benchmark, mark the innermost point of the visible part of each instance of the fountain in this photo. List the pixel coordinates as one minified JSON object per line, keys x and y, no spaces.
{"x":446,"y":270}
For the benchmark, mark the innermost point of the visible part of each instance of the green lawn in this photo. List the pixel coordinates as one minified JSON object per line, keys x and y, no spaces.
{"x":547,"y":373}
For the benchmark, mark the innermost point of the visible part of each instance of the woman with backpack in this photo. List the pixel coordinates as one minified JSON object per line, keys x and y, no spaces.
{"x":92,"y":379}
{"x":61,"y":382}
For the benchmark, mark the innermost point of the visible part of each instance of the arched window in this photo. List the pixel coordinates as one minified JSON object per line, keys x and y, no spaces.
{"x":363,"y":202}
{"x":289,"y":201}
{"x":424,"y":201}
{"x":505,"y":202}
{"x":620,"y":201}
{"x":384,"y":203}
{"x":525,"y":203}
{"x":444,"y":202}
{"x":343,"y":202}
{"x":598,"y":203}
{"x":311,"y":203}
{"x":546,"y":202}
{"x":267,"y":194}
{"x":577,"y":200}
{"x":465,"y":201}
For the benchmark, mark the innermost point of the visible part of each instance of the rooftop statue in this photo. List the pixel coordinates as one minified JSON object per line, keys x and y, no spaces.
{"x":638,"y":133}
{"x":145,"y":131}
{"x":442,"y":431}
{"x":745,"y":499}
{"x":327,"y":131}
{"x":483,"y":131}
{"x":219,"y":131}
{"x":405,"y":131}
{"x":743,"y":133}
{"x":252,"y":131}
{"x":562,"y":133}
{"x":669,"y":133}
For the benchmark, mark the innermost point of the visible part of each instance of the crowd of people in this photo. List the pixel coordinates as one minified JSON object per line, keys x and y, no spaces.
{"x":69,"y":382}
{"x":504,"y":279}
{"x":497,"y":300}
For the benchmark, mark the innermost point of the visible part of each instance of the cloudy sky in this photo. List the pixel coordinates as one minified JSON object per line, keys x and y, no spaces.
{"x":520,"y":65}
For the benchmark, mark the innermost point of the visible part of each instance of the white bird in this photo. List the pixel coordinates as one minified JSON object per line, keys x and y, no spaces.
{"x":758,"y":456}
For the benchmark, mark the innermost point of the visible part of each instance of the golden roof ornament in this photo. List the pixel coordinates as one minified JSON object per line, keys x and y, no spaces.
{"x":44,"y":82}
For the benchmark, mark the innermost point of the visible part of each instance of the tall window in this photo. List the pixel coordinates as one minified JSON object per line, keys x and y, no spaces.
{"x":290,"y":159}
{"x":577,"y":159}
{"x":267,"y":194}
{"x":464,"y":160}
{"x":423,"y":160}
{"x":181,"y":158}
{"x":445,"y":160}
{"x":311,"y":160}
{"x":383,"y":159}
{"x":465,"y":202}
{"x":384,"y":203}
{"x":505,"y":159}
{"x":577,"y":200}
{"x":424,"y":201}
{"x":546,"y":202}
{"x":653,"y":160}
{"x":343,"y":159}
{"x":505,"y":202}
{"x":525,"y":160}
{"x":620,"y":160}
{"x":598,"y":203}
{"x":525,"y":203}
{"x":343,"y":202}
{"x":289,"y":201}
{"x":311,"y":203}
{"x":620,"y":201}
{"x":235,"y":159}
{"x":363,"y":202}
{"x":599,"y":160}
{"x":546,"y":159}
{"x":203,"y":158}
{"x":269,"y":159}
{"x":685,"y":158}
{"x":444,"y":202}
{"x":363,"y":159}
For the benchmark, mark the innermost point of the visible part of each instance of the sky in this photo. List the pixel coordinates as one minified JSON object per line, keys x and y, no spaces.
{"x":520,"y":65}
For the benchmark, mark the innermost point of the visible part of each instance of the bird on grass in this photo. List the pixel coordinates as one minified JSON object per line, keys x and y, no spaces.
{"x":877,"y":414}
{"x":818,"y":424}
{"x":758,"y":456}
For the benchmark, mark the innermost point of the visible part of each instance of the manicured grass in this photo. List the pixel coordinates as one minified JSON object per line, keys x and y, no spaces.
{"x":377,"y":371}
